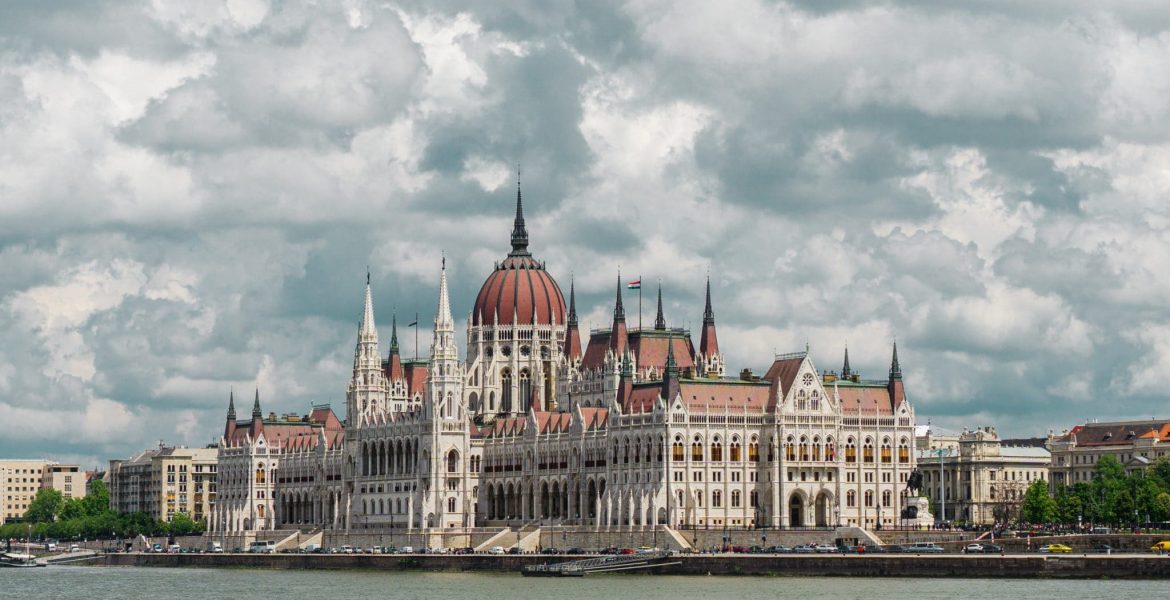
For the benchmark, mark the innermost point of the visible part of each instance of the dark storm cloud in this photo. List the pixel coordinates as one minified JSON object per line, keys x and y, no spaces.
{"x":190,"y":193}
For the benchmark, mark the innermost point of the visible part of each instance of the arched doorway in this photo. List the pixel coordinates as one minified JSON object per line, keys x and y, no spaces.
{"x":795,"y":511}
{"x":822,"y":509}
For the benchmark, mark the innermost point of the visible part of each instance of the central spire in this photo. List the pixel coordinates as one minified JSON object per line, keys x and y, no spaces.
{"x":619,"y":312}
{"x":519,"y":232}
{"x":256,"y":414}
{"x":660,"y":320}
{"x":368,"y":328}
{"x":394,"y":334}
{"x":443,"y":320}
{"x":846,"y":372}
{"x":708,"y":313}
{"x":572,"y":303}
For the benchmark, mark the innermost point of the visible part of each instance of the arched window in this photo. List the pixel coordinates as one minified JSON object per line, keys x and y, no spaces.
{"x":676,"y":451}
{"x":804,"y":449}
{"x":735,"y":456}
{"x":735,"y":498}
{"x":506,"y":391}
{"x":816,"y":448}
{"x":867,"y":452}
{"x":850,"y":451}
{"x":716,"y":451}
{"x":451,"y":504}
{"x":887,"y":454}
{"x":452,"y":461}
{"x":716,"y":499}
{"x":886,"y":498}
{"x":868,"y":498}
{"x":851,"y":498}
{"x":696,"y":451}
{"x":830,"y":450}
{"x":260,"y":478}
{"x":525,"y":390}
{"x":815,"y":403}
{"x":903,"y":452}
{"x":790,"y":449}
{"x":754,"y":451}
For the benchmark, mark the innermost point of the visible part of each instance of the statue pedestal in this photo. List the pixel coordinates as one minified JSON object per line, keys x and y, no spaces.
{"x":917,"y":512}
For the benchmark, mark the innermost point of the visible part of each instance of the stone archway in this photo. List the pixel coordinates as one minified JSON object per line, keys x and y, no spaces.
{"x":822,"y":509}
{"x":795,"y":511}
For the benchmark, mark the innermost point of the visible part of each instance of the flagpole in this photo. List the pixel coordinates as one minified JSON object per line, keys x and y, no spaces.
{"x":416,"y":337}
{"x":639,"y":303}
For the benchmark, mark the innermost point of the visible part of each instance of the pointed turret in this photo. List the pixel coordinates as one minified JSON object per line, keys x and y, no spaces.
{"x":660,"y":320}
{"x":618,"y":340}
{"x":709,"y":342}
{"x":368,"y":330}
{"x":366,"y":393}
{"x":670,"y":387}
{"x":443,"y":320}
{"x":256,"y":414}
{"x":625,"y":380}
{"x":393,"y":368}
{"x":519,"y":231}
{"x":445,"y":391}
{"x":846,"y":372}
{"x":572,"y":334}
{"x":895,"y":387}
{"x":229,"y":427}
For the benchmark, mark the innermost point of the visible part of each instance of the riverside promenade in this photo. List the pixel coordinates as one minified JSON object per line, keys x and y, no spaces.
{"x":1073,"y":566}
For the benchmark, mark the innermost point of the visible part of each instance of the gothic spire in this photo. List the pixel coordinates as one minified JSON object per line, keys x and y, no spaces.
{"x":394,"y":334}
{"x":619,"y":313}
{"x":256,"y":414}
{"x":231,"y":416}
{"x":443,"y":320}
{"x":660,"y":321}
{"x":846,"y":372}
{"x":671,"y":365}
{"x":572,"y":303}
{"x":708,"y":313}
{"x":368,"y":329}
{"x":895,"y":368}
{"x":519,"y":232}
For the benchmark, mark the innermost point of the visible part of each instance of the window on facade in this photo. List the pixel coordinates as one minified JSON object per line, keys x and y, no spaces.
{"x":716,"y":499}
{"x":754,"y":452}
{"x":850,"y":453}
{"x":676,"y":452}
{"x":735,"y":452}
{"x":869,"y":498}
{"x":789,"y":450}
{"x":260,"y":475}
{"x":696,"y":452}
{"x":903,"y":454}
{"x":735,"y":498}
{"x":867,"y":453}
{"x":851,"y":499}
{"x":716,"y":452}
{"x":754,"y":498}
{"x":886,"y":498}
{"x":804,"y":449}
{"x":886,"y":454}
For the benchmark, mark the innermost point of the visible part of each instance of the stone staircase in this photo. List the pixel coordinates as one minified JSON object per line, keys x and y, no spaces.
{"x":679,"y":539}
{"x":500,"y":539}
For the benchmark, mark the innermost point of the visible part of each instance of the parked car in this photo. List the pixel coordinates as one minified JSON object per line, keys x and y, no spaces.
{"x":992,"y":549}
{"x":496,"y":550}
{"x":1162,"y":546}
{"x":519,"y":550}
{"x":1104,"y":549}
{"x":407,"y":550}
{"x":824,"y":549}
{"x":973,"y":549}
{"x":347,"y":549}
{"x":925,"y":548}
{"x":780,"y":549}
{"x":1056,"y":549}
{"x":74,"y":548}
{"x":804,"y":549}
{"x":870,"y":549}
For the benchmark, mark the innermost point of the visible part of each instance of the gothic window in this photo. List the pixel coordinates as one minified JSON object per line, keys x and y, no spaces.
{"x":869,"y":498}
{"x":754,"y":451}
{"x":716,"y":499}
{"x":887,"y":455}
{"x":451,"y":505}
{"x":696,"y":451}
{"x":815,"y":402}
{"x":260,"y":475}
{"x":804,"y":449}
{"x":754,"y":498}
{"x":816,"y":448}
{"x":886,"y":498}
{"x":790,"y":449}
{"x":735,"y":456}
{"x":735,"y":498}
{"x":452,"y":462}
{"x":867,"y":451}
{"x":851,"y":499}
{"x":506,"y":384}
{"x":830,"y":450}
{"x":716,"y":451}
{"x":904,"y":453}
{"x":850,"y":451}
{"x":525,"y":351}
{"x":807,"y":378}
{"x":525,"y":390}
{"x":676,"y":451}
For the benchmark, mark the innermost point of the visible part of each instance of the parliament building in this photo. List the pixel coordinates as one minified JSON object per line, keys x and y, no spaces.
{"x":535,"y":425}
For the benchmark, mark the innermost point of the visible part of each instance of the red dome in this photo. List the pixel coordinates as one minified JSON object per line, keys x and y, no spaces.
{"x":518,"y":289}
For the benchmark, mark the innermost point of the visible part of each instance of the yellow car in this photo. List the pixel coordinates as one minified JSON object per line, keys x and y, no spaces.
{"x":1163,"y":546}
{"x":1056,"y":549}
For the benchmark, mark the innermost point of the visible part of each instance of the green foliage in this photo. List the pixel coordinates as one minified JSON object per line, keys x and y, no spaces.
{"x":97,"y":501}
{"x":1038,"y":506}
{"x":45,"y":506}
{"x":181,"y":524}
{"x":1160,"y":510}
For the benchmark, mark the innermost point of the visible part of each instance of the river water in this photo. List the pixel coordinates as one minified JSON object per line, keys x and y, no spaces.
{"x":90,"y":583}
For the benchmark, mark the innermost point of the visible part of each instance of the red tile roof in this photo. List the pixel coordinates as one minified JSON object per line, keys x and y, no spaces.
{"x":649,"y":350}
{"x":720,"y":396}
{"x":870,"y":399}
{"x":781,"y":375}
{"x":518,"y":290}
{"x":1118,"y":434}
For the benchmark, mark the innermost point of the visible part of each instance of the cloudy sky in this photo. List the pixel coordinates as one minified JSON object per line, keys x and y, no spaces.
{"x":190,"y":193}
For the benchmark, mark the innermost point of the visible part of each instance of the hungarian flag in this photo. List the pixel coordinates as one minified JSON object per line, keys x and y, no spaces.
{"x":635,"y":284}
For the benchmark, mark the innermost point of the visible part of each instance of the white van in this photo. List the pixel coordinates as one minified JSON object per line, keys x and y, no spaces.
{"x":262,"y":547}
{"x":215,"y":547}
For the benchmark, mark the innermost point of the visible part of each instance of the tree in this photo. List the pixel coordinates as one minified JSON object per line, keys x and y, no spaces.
{"x":1069,"y":508}
{"x":1038,"y":506}
{"x":1161,"y":507}
{"x":1160,"y":472}
{"x":45,"y":506}
{"x":97,"y":501}
{"x":181,"y":524}
{"x":72,"y":508}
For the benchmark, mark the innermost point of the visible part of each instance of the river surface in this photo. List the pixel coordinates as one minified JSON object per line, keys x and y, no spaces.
{"x":90,"y":583}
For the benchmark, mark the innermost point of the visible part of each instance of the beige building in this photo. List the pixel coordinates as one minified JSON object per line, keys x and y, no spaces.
{"x":165,"y":480}
{"x":20,"y":480}
{"x":975,"y":476}
{"x":1135,"y":444}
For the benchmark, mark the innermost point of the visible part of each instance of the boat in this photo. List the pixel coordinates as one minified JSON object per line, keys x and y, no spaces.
{"x":601,"y":564}
{"x":18,"y":560}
